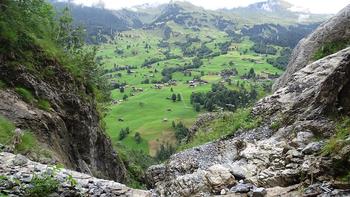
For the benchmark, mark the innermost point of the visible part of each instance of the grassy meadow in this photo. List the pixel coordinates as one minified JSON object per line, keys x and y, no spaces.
{"x":150,"y":112}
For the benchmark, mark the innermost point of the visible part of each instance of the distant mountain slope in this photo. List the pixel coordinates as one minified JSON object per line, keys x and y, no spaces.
{"x":101,"y":22}
{"x":275,"y":11}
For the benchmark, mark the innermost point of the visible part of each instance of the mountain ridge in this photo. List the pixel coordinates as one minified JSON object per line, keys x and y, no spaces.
{"x":129,"y":18}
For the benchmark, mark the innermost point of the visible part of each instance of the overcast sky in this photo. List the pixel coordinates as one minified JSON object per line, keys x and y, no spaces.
{"x":315,"y":6}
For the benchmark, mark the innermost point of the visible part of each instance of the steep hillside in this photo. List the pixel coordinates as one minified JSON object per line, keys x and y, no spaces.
{"x":48,"y":93}
{"x":99,"y":22}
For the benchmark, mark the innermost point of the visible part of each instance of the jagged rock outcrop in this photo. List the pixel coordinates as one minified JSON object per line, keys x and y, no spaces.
{"x":333,"y":30}
{"x":70,"y":128}
{"x":17,"y":172}
{"x":272,"y":156}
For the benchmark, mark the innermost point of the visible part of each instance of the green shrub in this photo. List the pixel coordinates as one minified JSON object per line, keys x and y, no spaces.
{"x":72,"y":182}
{"x":228,"y":125}
{"x":2,"y":85}
{"x":277,"y":124}
{"x":330,"y":48}
{"x":136,"y":162}
{"x":336,"y":142}
{"x":28,"y":143}
{"x":43,"y":185}
{"x":6,"y":130}
{"x":3,"y":180}
{"x":25,"y":94}
{"x":44,"y":104}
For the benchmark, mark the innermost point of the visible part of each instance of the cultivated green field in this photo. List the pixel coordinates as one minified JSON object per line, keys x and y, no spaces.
{"x":150,"y":111}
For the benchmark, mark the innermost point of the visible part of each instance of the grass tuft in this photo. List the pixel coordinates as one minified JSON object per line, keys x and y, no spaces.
{"x":330,"y":48}
{"x":43,"y":185}
{"x":44,"y":104}
{"x":241,"y":119}
{"x":28,"y":143}
{"x":6,"y":130}
{"x":337,"y":142}
{"x":25,"y":94}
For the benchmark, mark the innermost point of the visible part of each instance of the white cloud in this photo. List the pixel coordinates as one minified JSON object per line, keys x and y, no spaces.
{"x":315,"y":6}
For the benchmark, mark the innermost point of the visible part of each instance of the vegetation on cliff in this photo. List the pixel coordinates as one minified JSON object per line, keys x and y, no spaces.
{"x":22,"y":142}
{"x":55,"y":79}
{"x":31,"y":34}
{"x":329,"y":48}
{"x":223,"y":127}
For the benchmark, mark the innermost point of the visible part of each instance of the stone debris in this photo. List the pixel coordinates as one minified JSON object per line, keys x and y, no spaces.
{"x":17,"y":172}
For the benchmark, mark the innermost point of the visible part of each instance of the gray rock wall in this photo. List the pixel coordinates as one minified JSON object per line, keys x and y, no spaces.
{"x":70,"y":128}
{"x":335,"y":29}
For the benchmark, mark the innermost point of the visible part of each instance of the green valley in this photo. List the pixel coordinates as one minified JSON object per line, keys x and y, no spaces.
{"x":169,"y":64}
{"x":142,"y":101}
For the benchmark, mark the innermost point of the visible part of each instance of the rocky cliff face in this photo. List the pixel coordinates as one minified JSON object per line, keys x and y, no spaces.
{"x":70,"y":128}
{"x":284,"y":152}
{"x":334,"y":30}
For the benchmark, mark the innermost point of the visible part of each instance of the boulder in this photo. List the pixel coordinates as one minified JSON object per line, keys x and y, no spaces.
{"x":242,"y":188}
{"x":303,"y":138}
{"x":20,"y":160}
{"x":259,"y":192}
{"x":219,"y":177}
{"x":313,"y":147}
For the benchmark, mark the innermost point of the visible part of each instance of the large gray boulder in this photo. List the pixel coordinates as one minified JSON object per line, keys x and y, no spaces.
{"x":335,"y":29}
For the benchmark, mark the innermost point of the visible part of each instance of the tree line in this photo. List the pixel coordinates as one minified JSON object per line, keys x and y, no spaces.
{"x":220,"y":97}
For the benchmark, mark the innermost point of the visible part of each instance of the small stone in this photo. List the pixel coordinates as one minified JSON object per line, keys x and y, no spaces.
{"x":223,"y":192}
{"x":20,"y":160}
{"x":292,"y":165}
{"x":311,"y":148}
{"x":302,"y":139}
{"x":54,"y":195}
{"x":259,"y":192}
{"x":241,"y":188}
{"x":294,"y":153}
